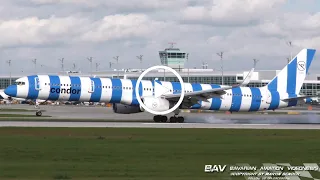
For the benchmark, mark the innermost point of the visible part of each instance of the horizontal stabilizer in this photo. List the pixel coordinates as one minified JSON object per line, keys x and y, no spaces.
{"x":299,"y":98}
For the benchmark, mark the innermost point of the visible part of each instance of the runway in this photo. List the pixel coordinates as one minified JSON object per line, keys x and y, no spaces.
{"x":155,"y":125}
{"x":88,"y":116}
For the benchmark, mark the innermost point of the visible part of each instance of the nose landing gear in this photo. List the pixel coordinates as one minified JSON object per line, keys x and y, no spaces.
{"x":39,"y":113}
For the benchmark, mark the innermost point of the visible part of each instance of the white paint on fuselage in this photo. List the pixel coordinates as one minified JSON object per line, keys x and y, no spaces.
{"x":147,"y":89}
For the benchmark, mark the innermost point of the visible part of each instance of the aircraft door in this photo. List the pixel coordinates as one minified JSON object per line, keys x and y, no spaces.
{"x":91,"y":90}
{"x":268,"y":98}
{"x":37,"y":83}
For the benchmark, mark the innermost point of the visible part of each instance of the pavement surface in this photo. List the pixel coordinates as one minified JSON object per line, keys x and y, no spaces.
{"x":306,"y":120}
{"x":155,"y":125}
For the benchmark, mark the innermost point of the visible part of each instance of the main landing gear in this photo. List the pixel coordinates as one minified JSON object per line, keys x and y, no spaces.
{"x":173,"y":119}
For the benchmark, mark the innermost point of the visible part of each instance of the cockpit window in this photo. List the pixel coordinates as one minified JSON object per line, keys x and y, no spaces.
{"x":20,"y":83}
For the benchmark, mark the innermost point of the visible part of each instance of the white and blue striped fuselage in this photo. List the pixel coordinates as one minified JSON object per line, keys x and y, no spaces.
{"x":89,"y":89}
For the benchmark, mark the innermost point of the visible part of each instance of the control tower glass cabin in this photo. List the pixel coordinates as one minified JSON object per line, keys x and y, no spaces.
{"x":173,"y":58}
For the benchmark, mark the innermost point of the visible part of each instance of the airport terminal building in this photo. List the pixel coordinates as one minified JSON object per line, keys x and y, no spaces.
{"x":176,"y":59}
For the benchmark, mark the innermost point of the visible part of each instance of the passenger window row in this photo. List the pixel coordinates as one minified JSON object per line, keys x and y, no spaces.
{"x":244,"y":95}
{"x":109,"y":87}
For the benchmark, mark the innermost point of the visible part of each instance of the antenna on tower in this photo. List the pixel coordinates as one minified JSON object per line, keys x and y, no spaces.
{"x":74,"y":66}
{"x":172,"y":43}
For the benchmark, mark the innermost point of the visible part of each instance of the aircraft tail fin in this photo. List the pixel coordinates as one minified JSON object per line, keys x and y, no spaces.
{"x":290,"y":79}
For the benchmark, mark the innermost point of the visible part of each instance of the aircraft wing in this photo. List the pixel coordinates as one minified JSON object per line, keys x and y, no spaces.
{"x":200,"y":95}
{"x":299,"y":98}
{"x":247,"y":80}
{"x":204,"y":95}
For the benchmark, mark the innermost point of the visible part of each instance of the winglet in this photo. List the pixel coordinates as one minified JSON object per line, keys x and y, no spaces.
{"x":247,"y":80}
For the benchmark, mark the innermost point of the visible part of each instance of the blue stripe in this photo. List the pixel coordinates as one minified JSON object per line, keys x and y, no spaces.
{"x":256,"y":99}
{"x":216,"y":101}
{"x":116,"y":91}
{"x":32,"y":93}
{"x":196,"y":87}
{"x":292,"y":103}
{"x":275,"y":100}
{"x":96,"y":95}
{"x":75,"y":85}
{"x":176,"y":86}
{"x":273,"y":85}
{"x":275,"y":97}
{"x":54,"y":83}
{"x":292,"y":78}
{"x":134,"y":99}
{"x":236,"y":99}
{"x":310,"y":54}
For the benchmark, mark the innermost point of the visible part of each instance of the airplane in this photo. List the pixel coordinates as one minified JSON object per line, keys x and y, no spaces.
{"x":282,"y":91}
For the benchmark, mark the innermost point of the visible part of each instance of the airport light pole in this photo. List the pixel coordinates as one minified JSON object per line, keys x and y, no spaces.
{"x":188,"y":67}
{"x":117,"y":59}
{"x":140,"y":58}
{"x":74,"y":66}
{"x":9,"y":63}
{"x":289,"y":43}
{"x":110,"y":64}
{"x":97,"y":66}
{"x":90,"y":60}
{"x":220,"y":54}
{"x":62,"y":65}
{"x":35,"y":65}
{"x":255,"y":61}
{"x":204,"y":65}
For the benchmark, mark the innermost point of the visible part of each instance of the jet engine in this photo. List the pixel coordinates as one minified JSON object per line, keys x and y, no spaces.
{"x":156,"y":104}
{"x":125,"y":109}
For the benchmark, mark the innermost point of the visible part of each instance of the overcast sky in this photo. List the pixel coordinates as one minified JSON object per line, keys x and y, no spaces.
{"x":76,"y":29}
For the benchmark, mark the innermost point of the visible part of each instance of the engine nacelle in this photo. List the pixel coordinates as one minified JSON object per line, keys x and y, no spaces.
{"x":125,"y":109}
{"x":156,"y":104}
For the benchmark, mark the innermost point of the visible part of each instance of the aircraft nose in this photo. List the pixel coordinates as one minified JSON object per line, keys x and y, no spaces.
{"x":11,"y":90}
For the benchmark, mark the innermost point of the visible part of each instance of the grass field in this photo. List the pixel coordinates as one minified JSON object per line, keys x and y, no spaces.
{"x":141,"y":153}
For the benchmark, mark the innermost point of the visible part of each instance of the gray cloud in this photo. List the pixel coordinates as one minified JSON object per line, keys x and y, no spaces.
{"x":75,"y":29}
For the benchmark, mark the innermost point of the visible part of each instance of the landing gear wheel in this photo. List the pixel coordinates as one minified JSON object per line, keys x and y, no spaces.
{"x":38,"y":113}
{"x":159,"y":118}
{"x":173,"y":119}
{"x":180,"y":119}
{"x":156,"y":119}
{"x":164,"y":119}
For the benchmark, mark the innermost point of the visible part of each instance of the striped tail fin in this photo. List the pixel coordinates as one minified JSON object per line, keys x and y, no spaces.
{"x":289,"y":80}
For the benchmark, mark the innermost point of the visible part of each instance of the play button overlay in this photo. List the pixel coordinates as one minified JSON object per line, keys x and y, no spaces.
{"x":159,"y":90}
{"x":158,"y":98}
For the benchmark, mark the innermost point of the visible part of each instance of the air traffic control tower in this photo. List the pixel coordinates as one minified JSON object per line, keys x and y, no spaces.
{"x":173,"y":57}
